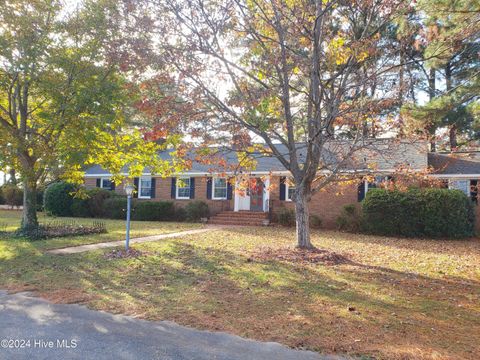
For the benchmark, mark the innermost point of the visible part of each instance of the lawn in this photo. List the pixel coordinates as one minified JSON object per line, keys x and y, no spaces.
{"x":10,"y":220}
{"x":393,"y":299}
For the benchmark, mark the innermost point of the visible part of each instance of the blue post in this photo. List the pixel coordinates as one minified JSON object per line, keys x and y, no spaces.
{"x":129,"y":200}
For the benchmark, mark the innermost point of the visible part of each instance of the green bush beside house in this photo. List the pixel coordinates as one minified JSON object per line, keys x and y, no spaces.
{"x":432,"y":213}
{"x":196,"y":210}
{"x":100,"y":203}
{"x":58,"y":199}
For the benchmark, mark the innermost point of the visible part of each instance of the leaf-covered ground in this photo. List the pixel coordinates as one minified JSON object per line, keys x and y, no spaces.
{"x":392,"y":299}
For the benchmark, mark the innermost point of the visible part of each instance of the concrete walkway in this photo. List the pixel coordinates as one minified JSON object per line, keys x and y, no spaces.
{"x":33,"y":328}
{"x":89,"y":247}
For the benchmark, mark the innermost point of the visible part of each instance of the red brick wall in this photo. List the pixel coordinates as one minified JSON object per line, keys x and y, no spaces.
{"x":326,"y":204}
{"x":163,"y":192}
{"x":90,"y":183}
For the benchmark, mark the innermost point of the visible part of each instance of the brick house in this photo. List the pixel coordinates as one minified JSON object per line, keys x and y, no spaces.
{"x":233,"y":204}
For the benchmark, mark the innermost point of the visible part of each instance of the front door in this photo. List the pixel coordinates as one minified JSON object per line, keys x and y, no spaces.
{"x":243,"y":200}
{"x":256,"y":194}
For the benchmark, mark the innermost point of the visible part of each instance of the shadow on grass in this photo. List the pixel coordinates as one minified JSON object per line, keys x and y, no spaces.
{"x":319,"y":307}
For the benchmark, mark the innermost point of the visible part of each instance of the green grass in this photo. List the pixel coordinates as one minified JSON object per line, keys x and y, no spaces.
{"x":10,"y":220}
{"x":411,"y":299}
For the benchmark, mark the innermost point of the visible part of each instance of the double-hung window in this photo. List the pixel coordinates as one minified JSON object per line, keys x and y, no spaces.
{"x":219,"y":188}
{"x":183,"y":188}
{"x":106,"y":183}
{"x":290,"y":190}
{"x":145,"y":188}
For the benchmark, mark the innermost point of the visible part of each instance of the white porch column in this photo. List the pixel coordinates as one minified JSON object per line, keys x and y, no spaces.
{"x":266,"y":194}
{"x":236,"y":196}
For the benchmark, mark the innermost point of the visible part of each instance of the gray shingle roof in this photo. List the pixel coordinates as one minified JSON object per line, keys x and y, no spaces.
{"x":455,"y":163}
{"x":384,"y":154}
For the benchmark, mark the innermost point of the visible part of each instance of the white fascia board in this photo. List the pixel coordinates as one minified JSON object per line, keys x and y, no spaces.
{"x":455,"y":176}
{"x":277,"y":173}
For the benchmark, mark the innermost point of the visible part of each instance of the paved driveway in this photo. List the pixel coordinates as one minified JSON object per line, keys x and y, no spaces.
{"x":52,"y":331}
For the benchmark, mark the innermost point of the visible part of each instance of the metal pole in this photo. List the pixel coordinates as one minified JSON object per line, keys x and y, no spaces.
{"x":129,"y":200}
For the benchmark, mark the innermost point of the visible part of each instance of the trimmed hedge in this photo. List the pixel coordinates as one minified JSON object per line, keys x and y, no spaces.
{"x":153,"y":211}
{"x":115,"y":207}
{"x":101,"y":203}
{"x":96,"y":201}
{"x":349,"y":219}
{"x":435,"y":213}
{"x":286,"y":217}
{"x":80,"y":208}
{"x":196,"y":210}
{"x":58,"y":200}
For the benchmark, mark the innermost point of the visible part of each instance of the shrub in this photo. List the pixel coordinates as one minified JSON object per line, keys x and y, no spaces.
{"x":96,"y":201}
{"x":115,"y":207}
{"x":40,"y":195}
{"x":286,"y":217}
{"x":57,"y":199}
{"x":13,"y":195}
{"x":180,"y":214}
{"x":447,"y":213}
{"x":196,"y":210}
{"x":432,"y":213}
{"x":349,"y":219}
{"x":80,"y":208}
{"x":315,"y":222}
{"x":153,"y":211}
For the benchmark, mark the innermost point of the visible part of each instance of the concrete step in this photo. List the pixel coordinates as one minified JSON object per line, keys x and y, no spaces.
{"x":245,"y":222}
{"x":226,"y":216}
{"x":232,"y":214}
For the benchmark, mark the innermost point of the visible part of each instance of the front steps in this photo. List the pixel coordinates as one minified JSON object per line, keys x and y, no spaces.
{"x":246,"y":218}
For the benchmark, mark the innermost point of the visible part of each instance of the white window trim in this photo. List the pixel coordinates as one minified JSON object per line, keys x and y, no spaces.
{"x":213,"y":189}
{"x":177,"y":188}
{"x":101,"y":183}
{"x":144,"y":178}
{"x":287,"y":187}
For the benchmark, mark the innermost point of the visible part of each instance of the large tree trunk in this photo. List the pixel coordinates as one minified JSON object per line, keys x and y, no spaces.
{"x":29,"y":219}
{"x":453,"y":137}
{"x":432,"y":126}
{"x":453,"y":127}
{"x":302,"y":221}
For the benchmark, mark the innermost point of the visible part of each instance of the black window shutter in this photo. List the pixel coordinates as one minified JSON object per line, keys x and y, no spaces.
{"x":137,"y":190}
{"x":209,"y":188}
{"x":112,"y":185}
{"x":152,"y":191}
{"x":173,"y":189}
{"x":192,"y":188}
{"x":229,"y":190}
{"x":99,"y":182}
{"x":282,"y":187}
{"x":361,"y":191}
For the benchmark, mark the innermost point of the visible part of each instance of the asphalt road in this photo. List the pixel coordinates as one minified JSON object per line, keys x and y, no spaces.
{"x":32,"y":328}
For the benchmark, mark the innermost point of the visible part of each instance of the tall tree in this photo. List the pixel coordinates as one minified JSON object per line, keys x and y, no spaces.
{"x":305,"y":75}
{"x":62,"y":96}
{"x":450,"y":44}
